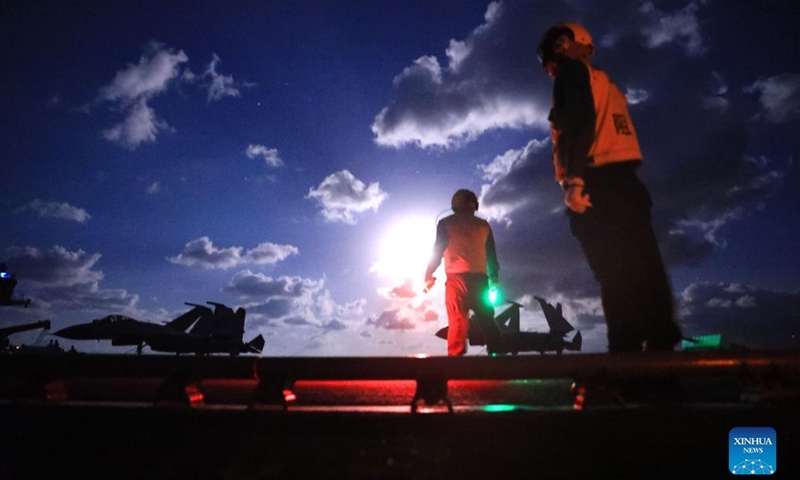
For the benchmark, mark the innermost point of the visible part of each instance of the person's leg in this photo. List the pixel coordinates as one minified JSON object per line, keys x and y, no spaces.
{"x":655,"y":301}
{"x":478,"y":287}
{"x":605,"y":234}
{"x":457,"y":315}
{"x":611,"y":265}
{"x":662,"y":332}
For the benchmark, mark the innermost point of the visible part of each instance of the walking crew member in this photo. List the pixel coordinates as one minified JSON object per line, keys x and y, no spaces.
{"x":470,"y":261}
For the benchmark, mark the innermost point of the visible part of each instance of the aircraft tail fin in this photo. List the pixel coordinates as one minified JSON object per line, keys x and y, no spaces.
{"x":255,"y":345}
{"x":576,"y":342}
{"x":442,"y":333}
{"x":186,"y":320}
{"x":223,"y":323}
{"x":554,"y":317}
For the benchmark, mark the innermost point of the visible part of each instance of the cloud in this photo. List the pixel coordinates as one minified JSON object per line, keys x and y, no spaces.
{"x":406,"y":290}
{"x":408,"y":309}
{"x":716,"y":185}
{"x":63,"y":211}
{"x":779,"y":97}
{"x":717,"y":91}
{"x":753,"y":317}
{"x":270,"y":155}
{"x":488,"y":83}
{"x":133,"y":87}
{"x":248,"y":284}
{"x":682,"y":28}
{"x":341,"y":196}
{"x":56,"y":267}
{"x":150,"y":77}
{"x":291,"y":302}
{"x":220,"y":86}
{"x":334,"y":325}
{"x":492,"y":79}
{"x":392,"y":320}
{"x":139,"y":126}
{"x":62,"y":281}
{"x":635,"y":95}
{"x":154,"y":188}
{"x":202,"y":253}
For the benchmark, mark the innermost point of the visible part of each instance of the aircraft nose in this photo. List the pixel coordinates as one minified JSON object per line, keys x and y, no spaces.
{"x":74,"y":332}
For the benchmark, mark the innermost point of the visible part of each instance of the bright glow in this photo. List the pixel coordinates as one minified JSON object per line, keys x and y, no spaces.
{"x":499,"y":408}
{"x":405,"y":250}
{"x":493,"y":295}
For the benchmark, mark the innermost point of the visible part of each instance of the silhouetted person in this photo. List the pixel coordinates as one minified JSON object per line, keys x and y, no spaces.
{"x":596,"y":155}
{"x":466,"y":243}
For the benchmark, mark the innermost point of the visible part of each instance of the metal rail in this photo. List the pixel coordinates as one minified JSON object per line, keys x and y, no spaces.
{"x":45,"y":377}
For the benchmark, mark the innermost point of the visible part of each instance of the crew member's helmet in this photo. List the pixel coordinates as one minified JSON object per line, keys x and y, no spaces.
{"x":548,"y":45}
{"x":464,"y":200}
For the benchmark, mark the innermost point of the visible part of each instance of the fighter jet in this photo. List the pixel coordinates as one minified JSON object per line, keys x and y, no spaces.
{"x":219,"y":331}
{"x":123,"y":330}
{"x":519,"y":341}
{"x":210,"y":332}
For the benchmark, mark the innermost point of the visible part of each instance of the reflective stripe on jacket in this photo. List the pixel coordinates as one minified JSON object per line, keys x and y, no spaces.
{"x":590,"y":122}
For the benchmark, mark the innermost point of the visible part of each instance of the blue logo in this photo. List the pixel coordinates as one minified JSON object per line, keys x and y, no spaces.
{"x":752,"y":451}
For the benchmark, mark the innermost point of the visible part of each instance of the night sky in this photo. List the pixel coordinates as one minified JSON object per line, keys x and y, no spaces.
{"x":292,"y":158}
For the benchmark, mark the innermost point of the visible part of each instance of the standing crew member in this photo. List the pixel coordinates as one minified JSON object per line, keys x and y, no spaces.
{"x":470,"y":261}
{"x":596,"y":156}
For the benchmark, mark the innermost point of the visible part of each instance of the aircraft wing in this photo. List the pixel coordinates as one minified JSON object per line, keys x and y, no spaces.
{"x":554,"y":317}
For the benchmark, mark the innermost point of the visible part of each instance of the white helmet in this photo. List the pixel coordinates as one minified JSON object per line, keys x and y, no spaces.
{"x":580,"y":34}
{"x":549,"y":42}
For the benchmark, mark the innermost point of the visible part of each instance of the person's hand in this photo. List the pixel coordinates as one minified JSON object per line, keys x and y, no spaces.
{"x":576,"y":200}
{"x":429,"y":282}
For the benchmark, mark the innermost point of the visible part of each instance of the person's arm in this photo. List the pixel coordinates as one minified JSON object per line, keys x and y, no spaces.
{"x":573,"y":118}
{"x":439,"y":246}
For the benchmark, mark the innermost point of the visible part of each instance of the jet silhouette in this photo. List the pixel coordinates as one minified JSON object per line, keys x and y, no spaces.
{"x":219,"y":331}
{"x":519,"y":341}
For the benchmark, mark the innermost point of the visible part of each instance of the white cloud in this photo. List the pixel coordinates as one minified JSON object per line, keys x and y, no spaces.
{"x":744,"y":315}
{"x":60,"y":281}
{"x":681,"y":27}
{"x":509,"y":188}
{"x":154,"y":188}
{"x":132,"y":87}
{"x":146,"y":79}
{"x":489,"y":83}
{"x":64,"y":210}
{"x":221,"y":86}
{"x":135,"y":85}
{"x":202,"y":253}
{"x":270,"y":155}
{"x":341,"y":196}
{"x":248,"y":284}
{"x":393,"y":320}
{"x":636,"y":95}
{"x":779,"y":97}
{"x":139,"y":126}
{"x":298,"y":306}
{"x":56,"y":267}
